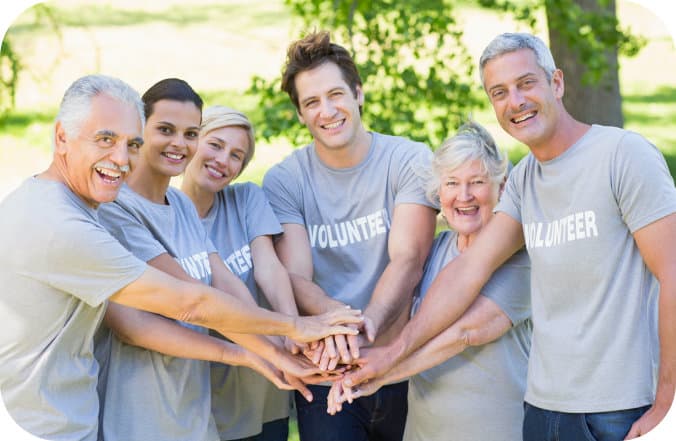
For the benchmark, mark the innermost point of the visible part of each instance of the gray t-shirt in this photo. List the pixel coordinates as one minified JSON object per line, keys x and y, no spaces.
{"x":595,"y":344}
{"x":148,"y":395}
{"x":58,"y":266}
{"x":478,"y":394}
{"x":348,"y":212}
{"x":242,"y":399}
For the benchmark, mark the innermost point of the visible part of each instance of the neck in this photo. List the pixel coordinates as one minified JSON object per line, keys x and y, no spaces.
{"x":464,"y":241}
{"x":149,"y":185}
{"x":350,"y":155}
{"x":202,"y":199}
{"x":568,"y":131}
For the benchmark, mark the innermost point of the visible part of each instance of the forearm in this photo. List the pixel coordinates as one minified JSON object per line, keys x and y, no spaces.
{"x":258,"y":344}
{"x":159,"y":334}
{"x":310,"y":298}
{"x":666,"y":382}
{"x":275,"y":283}
{"x":393,"y":292}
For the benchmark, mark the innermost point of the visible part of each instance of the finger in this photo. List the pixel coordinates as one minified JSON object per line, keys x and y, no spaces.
{"x":316,"y":358}
{"x":370,"y":330}
{"x":330,"y":347}
{"x":341,"y":346}
{"x":333,"y":362}
{"x":324,"y":360}
{"x":358,"y":376}
{"x":339,"y":329}
{"x":344,"y":315}
{"x":300,"y":387}
{"x":353,"y":343}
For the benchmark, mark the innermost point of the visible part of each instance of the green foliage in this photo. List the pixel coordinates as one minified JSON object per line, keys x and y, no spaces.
{"x":415,"y":69}
{"x":590,"y":33}
{"x":10,"y":62}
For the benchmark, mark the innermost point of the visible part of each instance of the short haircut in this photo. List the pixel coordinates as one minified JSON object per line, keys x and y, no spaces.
{"x":76,"y":103}
{"x":510,"y":42}
{"x":217,"y":117}
{"x":172,"y":89}
{"x":312,"y":51}
{"x":472,"y":142}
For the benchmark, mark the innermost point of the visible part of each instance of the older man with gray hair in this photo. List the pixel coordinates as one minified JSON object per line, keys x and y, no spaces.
{"x":58,"y":266}
{"x":595,"y":207}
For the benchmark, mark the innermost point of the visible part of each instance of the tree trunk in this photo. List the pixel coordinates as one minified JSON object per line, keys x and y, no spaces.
{"x":591,"y":103}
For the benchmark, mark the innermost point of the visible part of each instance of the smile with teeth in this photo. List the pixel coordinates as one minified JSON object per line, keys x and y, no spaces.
{"x":465,"y":211}
{"x":334,"y":125}
{"x":214,"y":172}
{"x":173,"y":156}
{"x":108,"y":175}
{"x":523,"y":118}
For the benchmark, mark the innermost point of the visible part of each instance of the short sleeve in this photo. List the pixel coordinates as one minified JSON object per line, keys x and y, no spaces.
{"x":130,"y":232}
{"x":641,"y":182}
{"x":509,"y":287}
{"x":281,"y":189}
{"x":411,"y":176}
{"x":84,"y":260}
{"x":510,"y":199}
{"x":260,"y":217}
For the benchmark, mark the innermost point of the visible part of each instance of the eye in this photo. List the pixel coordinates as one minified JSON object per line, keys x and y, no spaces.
{"x":105,"y":140}
{"x":236,"y":155}
{"x":497,"y":94}
{"x":135,"y":145}
{"x":478,"y":181}
{"x":337,"y":93}
{"x":215,"y":146}
{"x":451,"y":183}
{"x":165,"y":130}
{"x":311,"y":103}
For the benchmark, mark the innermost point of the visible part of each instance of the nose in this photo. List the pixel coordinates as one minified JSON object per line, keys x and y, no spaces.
{"x":120,"y":153}
{"x":465,"y":193}
{"x":179,"y":140}
{"x":516,"y":99}
{"x":327,"y":109}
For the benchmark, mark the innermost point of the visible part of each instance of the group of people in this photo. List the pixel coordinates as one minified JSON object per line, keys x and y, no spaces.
{"x":137,"y":311}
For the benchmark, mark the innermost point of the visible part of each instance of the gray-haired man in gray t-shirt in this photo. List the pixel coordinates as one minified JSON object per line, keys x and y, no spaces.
{"x":58,"y":266}
{"x":357,"y":227}
{"x":596,"y":209}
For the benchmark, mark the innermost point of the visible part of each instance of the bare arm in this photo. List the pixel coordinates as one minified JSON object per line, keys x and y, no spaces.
{"x":656,"y":244}
{"x":454,"y":289}
{"x":202,"y":305}
{"x":293,"y":249}
{"x":409,"y":242}
{"x":271,"y":276}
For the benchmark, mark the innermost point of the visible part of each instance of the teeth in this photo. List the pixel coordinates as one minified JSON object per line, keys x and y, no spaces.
{"x":525,"y":117}
{"x":333,"y":125}
{"x":108,"y":172}
{"x":173,"y":155}
{"x":215,"y":172}
{"x":466,"y":209}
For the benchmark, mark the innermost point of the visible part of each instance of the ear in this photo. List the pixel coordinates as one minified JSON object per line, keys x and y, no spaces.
{"x":557,"y":83}
{"x":360,"y":96}
{"x":300,"y":117}
{"x":60,"y":138}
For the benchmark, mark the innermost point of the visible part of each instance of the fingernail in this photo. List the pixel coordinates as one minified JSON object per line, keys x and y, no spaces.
{"x":308,"y":397}
{"x":348,"y":382}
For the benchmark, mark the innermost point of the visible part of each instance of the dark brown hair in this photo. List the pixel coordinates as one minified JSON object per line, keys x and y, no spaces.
{"x":314,"y":50}
{"x":172,"y":89}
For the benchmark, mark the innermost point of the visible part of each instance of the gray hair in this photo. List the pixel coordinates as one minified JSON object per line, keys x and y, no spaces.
{"x":217,"y":117}
{"x":76,"y":103}
{"x":472,"y":142}
{"x":510,"y":42}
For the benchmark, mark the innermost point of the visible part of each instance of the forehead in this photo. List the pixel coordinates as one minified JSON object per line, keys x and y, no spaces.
{"x":510,"y":66}
{"x":177,"y":112}
{"x":316,"y":81}
{"x":468,"y":168}
{"x":108,"y":113}
{"x":236,"y":136}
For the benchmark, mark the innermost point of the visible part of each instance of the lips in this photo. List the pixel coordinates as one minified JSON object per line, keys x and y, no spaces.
{"x":333,"y":125}
{"x":174,"y":157}
{"x":467,"y":211}
{"x":109,"y":173}
{"x":214,"y":172}
{"x":523,"y":117}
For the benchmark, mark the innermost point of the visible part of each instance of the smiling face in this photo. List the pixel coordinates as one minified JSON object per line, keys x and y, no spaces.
{"x":95,"y":161}
{"x":526,"y":104}
{"x":170,"y":137}
{"x":219,"y":158}
{"x":328,"y":107}
{"x":468,"y":196}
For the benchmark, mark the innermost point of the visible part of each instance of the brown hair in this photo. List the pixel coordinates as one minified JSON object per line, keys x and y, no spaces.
{"x":314,"y":50}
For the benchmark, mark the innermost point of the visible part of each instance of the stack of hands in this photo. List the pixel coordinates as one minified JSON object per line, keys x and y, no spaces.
{"x":348,"y":361}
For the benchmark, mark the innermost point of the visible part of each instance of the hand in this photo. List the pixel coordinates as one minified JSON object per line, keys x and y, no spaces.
{"x":316,"y":327}
{"x":374,"y":362}
{"x":294,"y":347}
{"x":647,"y":422}
{"x":338,"y":394}
{"x":266,"y":369}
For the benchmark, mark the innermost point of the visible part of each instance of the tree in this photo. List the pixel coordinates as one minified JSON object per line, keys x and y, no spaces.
{"x":417,"y":72}
{"x":585,"y":39}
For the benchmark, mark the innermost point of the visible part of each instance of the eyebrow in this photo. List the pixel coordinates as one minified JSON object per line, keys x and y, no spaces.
{"x":106,"y":132}
{"x":527,"y":74}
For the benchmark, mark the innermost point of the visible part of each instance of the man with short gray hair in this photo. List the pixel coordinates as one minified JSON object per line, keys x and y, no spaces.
{"x":58,"y":266}
{"x":595,"y":207}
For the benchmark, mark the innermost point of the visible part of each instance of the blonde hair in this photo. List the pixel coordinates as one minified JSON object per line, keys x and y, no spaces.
{"x":217,"y":117}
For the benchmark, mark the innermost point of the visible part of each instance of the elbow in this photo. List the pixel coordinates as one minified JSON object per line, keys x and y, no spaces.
{"x":192,"y":305}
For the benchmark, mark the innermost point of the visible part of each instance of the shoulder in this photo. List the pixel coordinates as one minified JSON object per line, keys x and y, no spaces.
{"x":400,"y":146}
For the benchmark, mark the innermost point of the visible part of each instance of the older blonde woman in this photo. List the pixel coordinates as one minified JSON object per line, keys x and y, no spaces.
{"x":241,"y":224}
{"x":468,"y":382}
